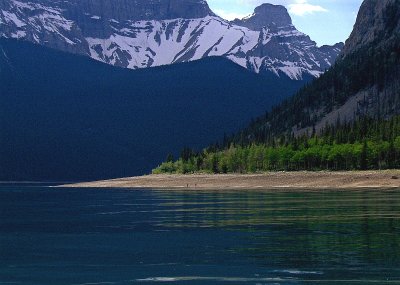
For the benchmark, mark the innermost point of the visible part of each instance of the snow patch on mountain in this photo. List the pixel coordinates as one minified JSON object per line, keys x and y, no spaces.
{"x":152,"y":43}
{"x":255,"y":43}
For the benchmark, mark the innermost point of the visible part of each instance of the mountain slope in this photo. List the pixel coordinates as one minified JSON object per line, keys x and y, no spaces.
{"x":347,"y":119}
{"x":140,"y":34}
{"x":365,"y":81}
{"x":67,"y":117}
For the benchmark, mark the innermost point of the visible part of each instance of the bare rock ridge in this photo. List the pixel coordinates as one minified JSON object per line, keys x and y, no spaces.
{"x":128,"y":10}
{"x":266,"y":15}
{"x":123,"y":10}
{"x":145,"y":33}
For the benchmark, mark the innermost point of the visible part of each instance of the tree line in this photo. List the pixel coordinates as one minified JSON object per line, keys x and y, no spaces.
{"x":364,"y":144}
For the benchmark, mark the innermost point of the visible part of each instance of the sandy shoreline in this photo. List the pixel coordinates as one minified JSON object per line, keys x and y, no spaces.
{"x":272,"y":180}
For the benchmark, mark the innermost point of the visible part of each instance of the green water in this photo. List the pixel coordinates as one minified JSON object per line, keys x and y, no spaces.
{"x":52,"y":236}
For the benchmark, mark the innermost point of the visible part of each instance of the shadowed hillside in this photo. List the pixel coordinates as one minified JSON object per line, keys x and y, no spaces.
{"x":66,"y":117}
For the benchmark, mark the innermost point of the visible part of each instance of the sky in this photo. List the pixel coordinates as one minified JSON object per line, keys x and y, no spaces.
{"x":325,"y":21}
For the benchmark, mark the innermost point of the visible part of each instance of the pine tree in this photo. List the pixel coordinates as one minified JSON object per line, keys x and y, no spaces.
{"x":364,"y":156}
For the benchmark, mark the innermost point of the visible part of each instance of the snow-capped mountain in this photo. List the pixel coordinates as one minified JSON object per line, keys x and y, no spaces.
{"x":145,"y":33}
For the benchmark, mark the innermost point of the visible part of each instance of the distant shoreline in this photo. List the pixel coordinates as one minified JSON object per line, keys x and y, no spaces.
{"x":387,"y":179}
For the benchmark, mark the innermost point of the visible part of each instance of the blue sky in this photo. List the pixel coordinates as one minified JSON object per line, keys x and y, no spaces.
{"x":325,"y":21}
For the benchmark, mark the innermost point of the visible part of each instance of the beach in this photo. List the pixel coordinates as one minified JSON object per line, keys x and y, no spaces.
{"x":272,"y":180}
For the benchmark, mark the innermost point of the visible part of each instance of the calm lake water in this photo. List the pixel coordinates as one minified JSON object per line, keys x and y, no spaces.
{"x":52,"y":236}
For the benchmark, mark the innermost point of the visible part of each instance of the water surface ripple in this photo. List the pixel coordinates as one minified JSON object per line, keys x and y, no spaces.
{"x":52,"y":236}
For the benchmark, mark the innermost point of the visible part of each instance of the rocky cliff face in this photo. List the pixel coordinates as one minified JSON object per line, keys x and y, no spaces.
{"x":281,"y":47}
{"x":370,"y":63}
{"x":146,"y":33}
{"x":102,"y":12}
{"x":375,"y":41}
{"x":377,"y":20}
{"x":266,"y":15}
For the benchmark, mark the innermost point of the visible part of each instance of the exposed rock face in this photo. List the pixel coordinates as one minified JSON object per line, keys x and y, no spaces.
{"x":377,"y":29}
{"x":101,"y":12}
{"x":376,"y":20}
{"x":282,"y":47}
{"x":145,"y":33}
{"x":123,"y":10}
{"x":266,"y":15}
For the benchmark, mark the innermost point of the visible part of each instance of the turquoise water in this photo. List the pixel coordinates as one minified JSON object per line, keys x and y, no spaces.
{"x":51,"y":236}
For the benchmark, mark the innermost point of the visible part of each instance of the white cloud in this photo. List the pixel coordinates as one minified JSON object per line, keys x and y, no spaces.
{"x":259,"y":2}
{"x":296,"y":7}
{"x":229,"y":15}
{"x":302,"y":7}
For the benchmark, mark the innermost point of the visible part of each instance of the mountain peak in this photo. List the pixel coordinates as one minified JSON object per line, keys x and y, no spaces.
{"x":264,"y":16}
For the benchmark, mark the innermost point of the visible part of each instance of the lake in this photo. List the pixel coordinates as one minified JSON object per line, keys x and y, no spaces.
{"x":57,"y":236}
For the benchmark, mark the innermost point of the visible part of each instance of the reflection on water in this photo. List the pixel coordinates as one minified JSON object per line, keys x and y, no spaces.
{"x":94,"y":236}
